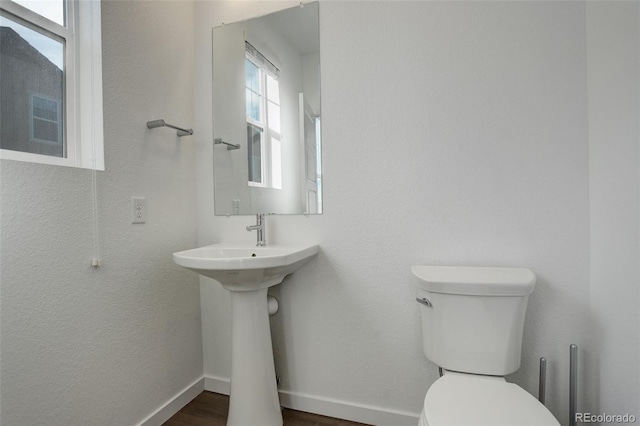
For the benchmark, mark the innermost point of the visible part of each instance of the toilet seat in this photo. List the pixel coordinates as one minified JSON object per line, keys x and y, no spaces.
{"x":472,"y":400}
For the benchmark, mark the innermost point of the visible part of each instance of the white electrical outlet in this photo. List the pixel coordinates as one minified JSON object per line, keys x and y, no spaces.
{"x":138,"y":210}
{"x":235,"y":206}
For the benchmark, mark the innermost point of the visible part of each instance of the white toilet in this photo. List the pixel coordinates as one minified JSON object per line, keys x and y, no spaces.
{"x":472,"y":324}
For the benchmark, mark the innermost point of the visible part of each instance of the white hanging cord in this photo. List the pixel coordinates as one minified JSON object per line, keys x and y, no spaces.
{"x":96,"y":261}
{"x":94,"y":204}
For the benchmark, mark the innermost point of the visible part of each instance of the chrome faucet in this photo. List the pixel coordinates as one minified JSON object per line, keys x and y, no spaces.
{"x":259,"y":227}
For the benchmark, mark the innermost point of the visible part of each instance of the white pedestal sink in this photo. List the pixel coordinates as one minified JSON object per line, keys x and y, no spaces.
{"x":247,"y":272}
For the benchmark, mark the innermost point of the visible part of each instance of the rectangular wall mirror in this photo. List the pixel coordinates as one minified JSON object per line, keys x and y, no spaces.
{"x":266,"y":114}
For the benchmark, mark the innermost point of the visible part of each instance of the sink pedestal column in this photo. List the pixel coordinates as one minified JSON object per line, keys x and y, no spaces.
{"x":254,"y":392}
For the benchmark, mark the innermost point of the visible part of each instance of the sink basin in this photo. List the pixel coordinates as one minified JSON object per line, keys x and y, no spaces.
{"x":247,"y":272}
{"x":243,"y":268}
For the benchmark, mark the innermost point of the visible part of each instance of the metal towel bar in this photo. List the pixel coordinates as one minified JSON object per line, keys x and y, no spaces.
{"x":230,"y":146}
{"x":542,"y":382}
{"x":161,"y":123}
{"x":573,"y":384}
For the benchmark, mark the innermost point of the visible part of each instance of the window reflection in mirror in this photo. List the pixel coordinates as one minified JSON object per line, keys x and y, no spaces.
{"x":263,"y":121}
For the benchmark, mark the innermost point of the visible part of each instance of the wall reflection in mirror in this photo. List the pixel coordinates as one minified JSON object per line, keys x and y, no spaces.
{"x":266,"y":114}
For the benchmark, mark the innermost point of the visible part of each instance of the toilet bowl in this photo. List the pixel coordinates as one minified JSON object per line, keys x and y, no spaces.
{"x":472,"y":327}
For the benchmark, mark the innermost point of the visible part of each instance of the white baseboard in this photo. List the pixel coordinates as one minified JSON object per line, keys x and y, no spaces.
{"x":328,"y":406}
{"x":174,"y":405}
{"x":217,"y":384}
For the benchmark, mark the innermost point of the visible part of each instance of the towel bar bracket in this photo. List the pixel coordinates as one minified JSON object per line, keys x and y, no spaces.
{"x":161,"y":123}
{"x":230,"y":146}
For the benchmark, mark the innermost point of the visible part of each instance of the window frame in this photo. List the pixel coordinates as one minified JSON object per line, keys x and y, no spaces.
{"x":59,"y":120}
{"x":260,"y":124}
{"x":266,"y":132}
{"x":82,"y":79}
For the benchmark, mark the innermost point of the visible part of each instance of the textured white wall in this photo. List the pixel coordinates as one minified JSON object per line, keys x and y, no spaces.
{"x":107,"y":346}
{"x":453,"y":133}
{"x":613,"y":43}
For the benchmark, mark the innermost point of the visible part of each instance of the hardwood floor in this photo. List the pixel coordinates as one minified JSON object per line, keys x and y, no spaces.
{"x":210,"y":409}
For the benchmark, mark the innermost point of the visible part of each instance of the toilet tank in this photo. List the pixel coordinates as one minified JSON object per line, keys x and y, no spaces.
{"x":474,"y":318}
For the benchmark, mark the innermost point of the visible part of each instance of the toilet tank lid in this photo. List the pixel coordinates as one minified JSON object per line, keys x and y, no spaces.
{"x":475,"y":281}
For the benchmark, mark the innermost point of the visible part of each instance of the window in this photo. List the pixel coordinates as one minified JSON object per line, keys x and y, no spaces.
{"x":50,"y":63}
{"x":45,"y":121}
{"x":263,"y":121}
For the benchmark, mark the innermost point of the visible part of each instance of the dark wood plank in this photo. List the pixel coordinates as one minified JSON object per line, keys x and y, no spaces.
{"x":210,"y":409}
{"x":300,"y":418}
